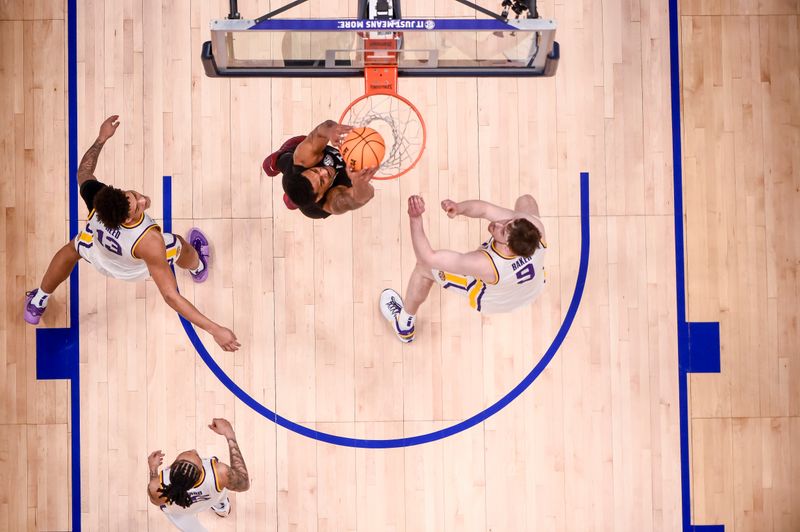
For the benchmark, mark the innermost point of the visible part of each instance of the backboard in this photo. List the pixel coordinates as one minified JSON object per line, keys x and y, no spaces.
{"x":382,"y":46}
{"x":421,"y":47}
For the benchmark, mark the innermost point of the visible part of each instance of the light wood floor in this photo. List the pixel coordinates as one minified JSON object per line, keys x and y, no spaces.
{"x":592,"y":445}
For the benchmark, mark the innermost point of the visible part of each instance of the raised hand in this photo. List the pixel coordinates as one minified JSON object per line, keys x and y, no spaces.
{"x":226,"y":339}
{"x":416,"y":206}
{"x":155,"y":459}
{"x":450,"y":207}
{"x":338,"y":133}
{"x":108,"y":128}
{"x":361,"y":177}
{"x":222,"y":427}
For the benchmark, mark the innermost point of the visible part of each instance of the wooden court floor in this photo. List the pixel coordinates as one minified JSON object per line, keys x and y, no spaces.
{"x":593,"y":444}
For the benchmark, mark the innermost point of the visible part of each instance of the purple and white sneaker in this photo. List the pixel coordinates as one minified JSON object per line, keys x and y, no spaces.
{"x":32,"y":313}
{"x":391,"y":304}
{"x":199,"y":242}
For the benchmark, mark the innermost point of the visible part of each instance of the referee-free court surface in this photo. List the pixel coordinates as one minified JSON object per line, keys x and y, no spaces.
{"x":593,"y":444}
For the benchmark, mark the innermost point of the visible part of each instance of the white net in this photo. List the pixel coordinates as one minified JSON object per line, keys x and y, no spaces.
{"x":400,"y":125}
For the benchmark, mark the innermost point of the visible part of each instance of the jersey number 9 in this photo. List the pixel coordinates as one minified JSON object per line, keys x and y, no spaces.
{"x":526,"y":274}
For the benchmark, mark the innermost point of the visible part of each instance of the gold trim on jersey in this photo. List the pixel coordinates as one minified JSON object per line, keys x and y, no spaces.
{"x":214,"y":461}
{"x":91,"y":213}
{"x":501,"y":255}
{"x":161,"y":478}
{"x":476,"y":294}
{"x":137,"y":224}
{"x":85,"y":237}
{"x":202,"y":477}
{"x":133,"y":247}
{"x":451,"y":279}
{"x":496,"y":272}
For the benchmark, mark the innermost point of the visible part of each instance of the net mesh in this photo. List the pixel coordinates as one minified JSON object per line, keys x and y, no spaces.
{"x":398,"y":123}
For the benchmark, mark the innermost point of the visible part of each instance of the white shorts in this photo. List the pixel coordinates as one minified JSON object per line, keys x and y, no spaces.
{"x":486,"y":298}
{"x":132,"y":269}
{"x":460,"y":284}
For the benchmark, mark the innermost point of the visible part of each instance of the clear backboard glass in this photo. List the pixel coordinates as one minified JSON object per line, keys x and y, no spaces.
{"x":328,"y":45}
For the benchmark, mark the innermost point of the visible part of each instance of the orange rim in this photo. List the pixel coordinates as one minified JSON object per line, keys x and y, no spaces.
{"x":413,"y":108}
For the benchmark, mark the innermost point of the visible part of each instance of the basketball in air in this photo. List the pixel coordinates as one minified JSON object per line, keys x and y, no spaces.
{"x":363,"y":148}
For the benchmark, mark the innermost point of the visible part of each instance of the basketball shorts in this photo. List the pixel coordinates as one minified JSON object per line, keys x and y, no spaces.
{"x":465,"y":285}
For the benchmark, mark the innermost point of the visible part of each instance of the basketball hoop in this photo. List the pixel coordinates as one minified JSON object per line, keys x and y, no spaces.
{"x":397,"y":120}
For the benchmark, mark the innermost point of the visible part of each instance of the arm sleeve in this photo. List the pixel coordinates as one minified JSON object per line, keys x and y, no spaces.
{"x":89,"y":190}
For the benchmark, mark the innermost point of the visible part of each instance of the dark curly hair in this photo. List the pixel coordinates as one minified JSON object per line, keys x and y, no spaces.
{"x":523,"y":237}
{"x":112,"y":207}
{"x":298,"y":187}
{"x":182,"y":476}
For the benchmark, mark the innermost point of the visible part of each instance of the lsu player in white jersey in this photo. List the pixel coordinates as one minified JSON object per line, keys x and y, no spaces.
{"x":121,"y":241}
{"x":504,"y":273}
{"x":191,"y":485}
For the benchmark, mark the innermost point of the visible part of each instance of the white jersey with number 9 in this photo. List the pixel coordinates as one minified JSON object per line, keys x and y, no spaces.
{"x":519,"y":281}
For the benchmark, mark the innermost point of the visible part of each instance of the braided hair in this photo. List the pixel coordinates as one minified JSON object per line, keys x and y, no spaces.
{"x":182,"y":476}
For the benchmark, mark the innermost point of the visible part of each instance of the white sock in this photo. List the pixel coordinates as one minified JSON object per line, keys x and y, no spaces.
{"x":40,"y":298}
{"x":405,"y":319}
{"x":200,"y":267}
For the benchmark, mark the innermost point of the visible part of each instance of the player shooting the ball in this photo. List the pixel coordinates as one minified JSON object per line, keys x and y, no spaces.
{"x":316,"y":179}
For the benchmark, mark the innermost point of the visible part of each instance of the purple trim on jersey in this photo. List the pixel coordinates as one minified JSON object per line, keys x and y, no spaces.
{"x":453,"y":285}
{"x":478,"y":299}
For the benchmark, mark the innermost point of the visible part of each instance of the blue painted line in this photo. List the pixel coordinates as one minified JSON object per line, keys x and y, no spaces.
{"x":684,"y":340}
{"x":703,"y":348}
{"x":74,"y":289}
{"x":166,"y":195}
{"x":58,"y":350}
{"x":55,"y":354}
{"x":442,"y":433}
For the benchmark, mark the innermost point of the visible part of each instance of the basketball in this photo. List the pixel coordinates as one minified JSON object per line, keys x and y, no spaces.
{"x":363,"y":148}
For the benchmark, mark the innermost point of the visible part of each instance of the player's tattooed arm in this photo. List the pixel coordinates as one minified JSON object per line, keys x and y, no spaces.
{"x":342,"y":199}
{"x":89,"y":160}
{"x":154,"y":461}
{"x":238,"y":479}
{"x":235,"y":476}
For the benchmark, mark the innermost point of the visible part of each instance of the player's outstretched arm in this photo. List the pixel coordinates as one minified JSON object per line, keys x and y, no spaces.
{"x":474,"y":263}
{"x":529,"y":209}
{"x":309,"y":152}
{"x":233,"y":476}
{"x":151,"y":249}
{"x":477,"y":209}
{"x":154,"y":461}
{"x":89,"y":160}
